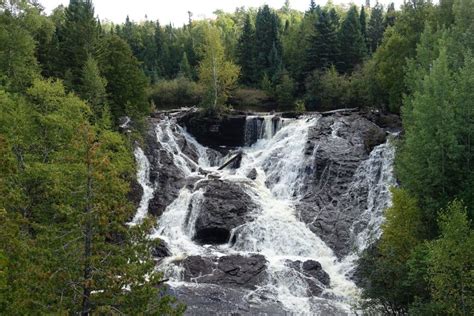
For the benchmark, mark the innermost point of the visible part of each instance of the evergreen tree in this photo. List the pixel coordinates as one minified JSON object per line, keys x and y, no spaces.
{"x":126,"y":82}
{"x":351,"y":42}
{"x":375,"y":28}
{"x":323,"y":49}
{"x":93,"y":88}
{"x":390,"y":16}
{"x":267,"y":39}
{"x":185,"y":68}
{"x":78,"y":39}
{"x":363,"y":23}
{"x":246,"y":52}
{"x":18,"y":65}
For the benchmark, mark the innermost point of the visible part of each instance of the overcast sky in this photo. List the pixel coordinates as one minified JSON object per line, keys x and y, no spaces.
{"x":175,"y":11}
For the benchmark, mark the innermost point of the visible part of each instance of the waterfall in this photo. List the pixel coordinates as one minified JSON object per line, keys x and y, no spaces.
{"x":143,"y":178}
{"x":276,"y":150}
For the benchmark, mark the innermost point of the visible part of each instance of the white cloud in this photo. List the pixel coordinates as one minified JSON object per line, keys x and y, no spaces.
{"x":175,"y":11}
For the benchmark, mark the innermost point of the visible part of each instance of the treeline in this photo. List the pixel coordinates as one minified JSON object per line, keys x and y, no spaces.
{"x":424,"y":261}
{"x":318,"y":57}
{"x":65,"y":171}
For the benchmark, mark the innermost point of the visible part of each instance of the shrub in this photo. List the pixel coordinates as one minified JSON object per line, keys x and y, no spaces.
{"x":175,"y":93}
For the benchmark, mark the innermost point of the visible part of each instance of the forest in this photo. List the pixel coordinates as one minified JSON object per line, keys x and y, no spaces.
{"x":68,"y":81}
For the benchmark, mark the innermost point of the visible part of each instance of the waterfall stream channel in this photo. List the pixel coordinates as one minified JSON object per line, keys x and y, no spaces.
{"x":278,"y":231}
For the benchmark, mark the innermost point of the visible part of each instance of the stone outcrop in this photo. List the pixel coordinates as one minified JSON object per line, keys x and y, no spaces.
{"x":216,"y":131}
{"x":225,"y":206}
{"x":336,"y":147}
{"x":234,"y":271}
{"x":314,"y":275}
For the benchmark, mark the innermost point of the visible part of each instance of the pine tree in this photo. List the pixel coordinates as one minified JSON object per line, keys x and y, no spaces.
{"x":78,"y":39}
{"x":390,"y":16}
{"x":363,"y":23}
{"x":185,"y":68}
{"x":323,"y":45}
{"x":246,"y":53}
{"x":93,"y":87}
{"x":351,"y":42}
{"x":375,"y":28}
{"x":126,"y":82}
{"x":267,"y":38}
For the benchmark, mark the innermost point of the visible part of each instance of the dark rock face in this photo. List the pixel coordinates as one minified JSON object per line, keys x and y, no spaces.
{"x":215,"y":132}
{"x":252,"y":175}
{"x":135,"y":194}
{"x":225,"y":206}
{"x":235,"y":271}
{"x":164,"y":173}
{"x":209,"y":299}
{"x":314,"y":274}
{"x":338,"y":144}
{"x":161,"y":250}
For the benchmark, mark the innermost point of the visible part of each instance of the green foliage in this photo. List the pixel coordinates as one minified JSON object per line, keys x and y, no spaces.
{"x":78,"y":39}
{"x":63,"y":209}
{"x":18,"y":65}
{"x":93,"y":87}
{"x":375,"y":28}
{"x":352,"y":42}
{"x":387,"y":283}
{"x":175,"y":93}
{"x":246,"y":53}
{"x":328,"y":90}
{"x":217,"y":75}
{"x":268,"y":43}
{"x":451,"y":262}
{"x":323,"y":50}
{"x":126,"y":83}
{"x":285,"y":92}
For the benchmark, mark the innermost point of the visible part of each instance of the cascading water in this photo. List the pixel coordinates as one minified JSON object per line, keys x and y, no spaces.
{"x":279,"y":160}
{"x":143,"y":177}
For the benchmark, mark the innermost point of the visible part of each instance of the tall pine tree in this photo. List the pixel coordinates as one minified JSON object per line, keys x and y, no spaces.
{"x":246,"y":53}
{"x":351,"y":42}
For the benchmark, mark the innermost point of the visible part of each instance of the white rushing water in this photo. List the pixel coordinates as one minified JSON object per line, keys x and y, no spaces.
{"x":143,"y":178}
{"x":279,"y":160}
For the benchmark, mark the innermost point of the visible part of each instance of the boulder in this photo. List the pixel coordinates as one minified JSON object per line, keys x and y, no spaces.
{"x":161,"y":250}
{"x":252,"y":175}
{"x":234,"y":270}
{"x":225,"y":206}
{"x":316,"y":278}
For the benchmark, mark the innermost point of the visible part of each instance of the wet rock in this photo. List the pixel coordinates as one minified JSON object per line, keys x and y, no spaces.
{"x":209,"y":299}
{"x":252,"y":175}
{"x":314,"y":274}
{"x":224,"y":207}
{"x":135,"y":193}
{"x":216,"y":131}
{"x":235,"y":270}
{"x":337,"y":145}
{"x":164,"y":173}
{"x":161,"y":250}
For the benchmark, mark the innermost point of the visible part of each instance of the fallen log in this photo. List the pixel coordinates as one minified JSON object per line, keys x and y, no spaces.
{"x":235,"y":158}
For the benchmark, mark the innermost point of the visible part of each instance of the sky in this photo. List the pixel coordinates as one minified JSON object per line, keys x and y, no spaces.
{"x":175,"y":11}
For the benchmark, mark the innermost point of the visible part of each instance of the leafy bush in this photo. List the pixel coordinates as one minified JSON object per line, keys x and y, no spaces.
{"x":328,"y":90}
{"x":175,"y":93}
